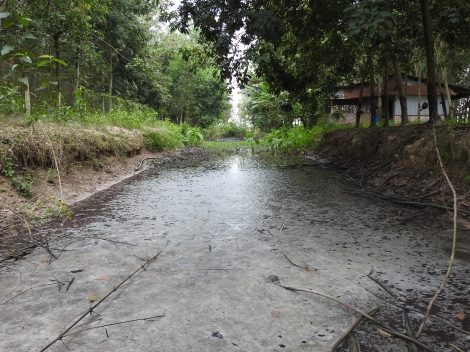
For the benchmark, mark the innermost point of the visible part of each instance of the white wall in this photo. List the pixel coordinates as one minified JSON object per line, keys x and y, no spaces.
{"x":412,"y":104}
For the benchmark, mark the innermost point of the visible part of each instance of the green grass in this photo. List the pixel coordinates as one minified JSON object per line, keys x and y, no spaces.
{"x":226,"y":145}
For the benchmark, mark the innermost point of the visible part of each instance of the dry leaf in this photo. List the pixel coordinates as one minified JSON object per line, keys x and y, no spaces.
{"x":275,"y":314}
{"x":461,"y":316}
{"x":384,"y":333}
{"x":308,"y":269}
{"x":45,"y":261}
{"x":104,"y":278}
{"x":94,"y":297}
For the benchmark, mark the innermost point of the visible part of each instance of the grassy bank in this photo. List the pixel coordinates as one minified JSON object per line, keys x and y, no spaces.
{"x":66,"y":139}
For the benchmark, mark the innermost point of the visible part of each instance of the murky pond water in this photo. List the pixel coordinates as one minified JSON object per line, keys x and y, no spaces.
{"x":222,"y":219}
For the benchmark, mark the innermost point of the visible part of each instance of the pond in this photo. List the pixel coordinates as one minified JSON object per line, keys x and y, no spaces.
{"x":232,"y":232}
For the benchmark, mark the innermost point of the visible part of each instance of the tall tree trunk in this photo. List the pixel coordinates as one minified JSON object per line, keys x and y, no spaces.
{"x":419,"y":91}
{"x":443,"y":103}
{"x":77,"y":69}
{"x":372,"y":89}
{"x":379,"y":97}
{"x":57,"y":67}
{"x":449,"y":99}
{"x":359,"y":103}
{"x":385,"y":91}
{"x":27,"y":94}
{"x":434,"y":118}
{"x":401,"y":92}
{"x":110,"y":89}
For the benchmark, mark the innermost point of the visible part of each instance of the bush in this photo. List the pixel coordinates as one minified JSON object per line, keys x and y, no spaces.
{"x":337,"y":116}
{"x":227,"y":130}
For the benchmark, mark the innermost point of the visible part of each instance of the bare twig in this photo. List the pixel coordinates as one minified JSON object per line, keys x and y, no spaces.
{"x":29,"y":289}
{"x":89,"y":311}
{"x":395,"y":304}
{"x":121,"y":322}
{"x":457,"y":348}
{"x":409,"y":331}
{"x":350,"y":329}
{"x":454,"y":238}
{"x":353,"y":346}
{"x":282,"y":249}
{"x":384,"y":326}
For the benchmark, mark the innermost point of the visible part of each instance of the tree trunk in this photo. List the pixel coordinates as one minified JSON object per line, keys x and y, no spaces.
{"x":443,"y":103}
{"x":77,"y":70}
{"x":359,"y":104}
{"x":110,"y":89}
{"x":385,"y":91}
{"x":379,"y":97}
{"x":327,"y":119}
{"x":27,"y":94}
{"x":401,"y":92}
{"x":57,"y":68}
{"x":103,"y":108}
{"x":419,"y":92}
{"x":449,"y":99}
{"x":372,"y":89}
{"x":434,"y":118}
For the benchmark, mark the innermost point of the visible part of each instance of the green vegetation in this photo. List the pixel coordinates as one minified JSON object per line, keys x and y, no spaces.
{"x":20,"y":183}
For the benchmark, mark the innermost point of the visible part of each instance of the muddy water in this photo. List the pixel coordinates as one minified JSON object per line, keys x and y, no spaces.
{"x":237,"y":206}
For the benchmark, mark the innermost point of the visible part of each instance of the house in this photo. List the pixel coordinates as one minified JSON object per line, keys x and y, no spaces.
{"x":346,"y":99}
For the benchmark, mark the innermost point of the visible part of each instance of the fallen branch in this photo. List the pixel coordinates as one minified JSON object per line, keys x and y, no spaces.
{"x":384,"y":326}
{"x":282,"y":249}
{"x":353,"y":346}
{"x":111,"y":324}
{"x":351,"y":328}
{"x":395,"y":304}
{"x":454,"y":238}
{"x":88,"y":311}
{"x":29,"y":289}
{"x":423,"y":205}
{"x":457,"y":348}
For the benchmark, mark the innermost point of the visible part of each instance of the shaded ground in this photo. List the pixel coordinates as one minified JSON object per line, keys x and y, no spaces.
{"x":217,"y":282}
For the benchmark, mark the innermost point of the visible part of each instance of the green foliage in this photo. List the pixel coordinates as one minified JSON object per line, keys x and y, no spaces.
{"x":21,"y":184}
{"x":158,"y":139}
{"x":55,"y":208}
{"x":11,"y":101}
{"x":337,"y":116}
{"x":227,"y":130}
{"x":194,"y":136}
{"x":299,"y":139}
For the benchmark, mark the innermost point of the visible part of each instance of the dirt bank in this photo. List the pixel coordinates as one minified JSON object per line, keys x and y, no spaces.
{"x":401,"y":164}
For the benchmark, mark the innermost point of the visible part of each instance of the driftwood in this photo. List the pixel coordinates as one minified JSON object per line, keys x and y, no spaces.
{"x":383,"y":326}
{"x":89,"y":311}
